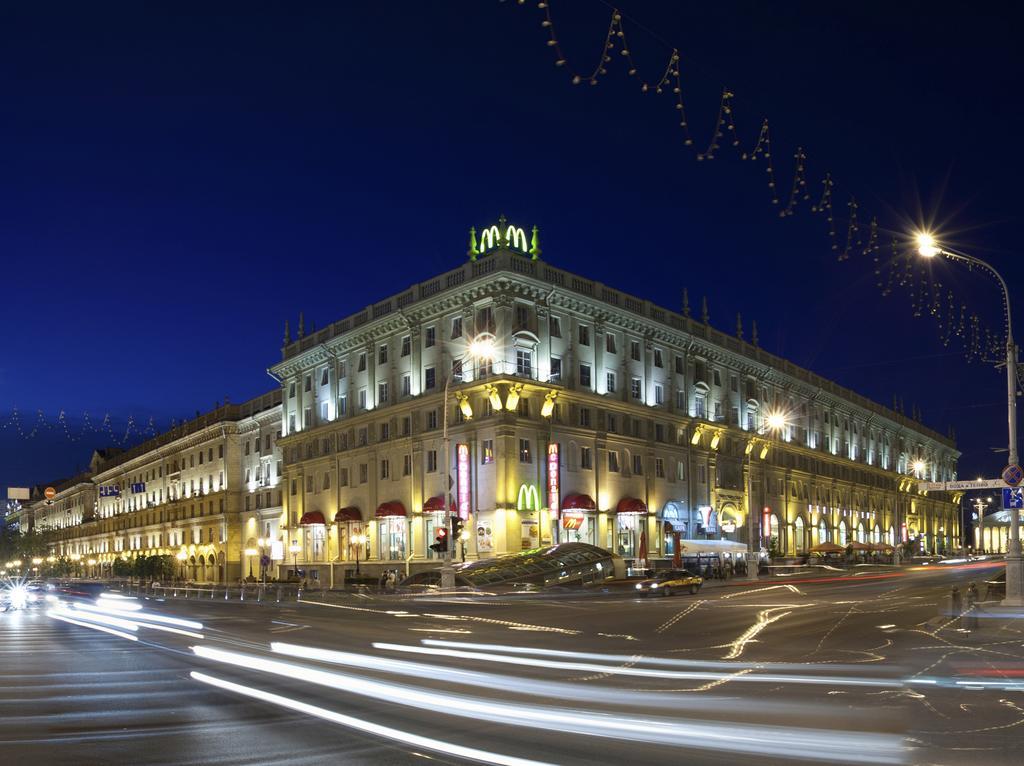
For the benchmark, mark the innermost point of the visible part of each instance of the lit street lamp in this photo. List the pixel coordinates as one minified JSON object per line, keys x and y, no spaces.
{"x":773,"y":423}
{"x":360,"y":541}
{"x":294,"y":549}
{"x":181,"y":556}
{"x":928,"y":247}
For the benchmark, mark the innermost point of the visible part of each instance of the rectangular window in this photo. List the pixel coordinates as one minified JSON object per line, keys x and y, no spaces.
{"x":363,"y":436}
{"x":487,"y":451}
{"x":246,"y":452}
{"x":634,"y":350}
{"x":680,"y":470}
{"x":362,"y":398}
{"x":659,"y":432}
{"x":734,"y":384}
{"x":406,"y":426}
{"x":584,"y":335}
{"x":555,"y":324}
{"x":584,"y":417}
{"x":524,"y":451}
{"x":327,"y":480}
{"x":291,"y":390}
{"x":680,"y":366}
{"x":429,"y":378}
{"x":718,"y":411}
{"x":717,"y":376}
{"x":659,"y":394}
{"x":456,"y":328}
{"x":406,"y":345}
{"x":307,"y":417}
{"x":431,"y":461}
{"x":323,"y":416}
{"x":638,"y":465}
{"x":308,"y":384}
{"x":680,"y":400}
{"x":702,"y":475}
{"x":700,"y":405}
{"x":485,"y":320}
{"x":385,"y":431}
{"x":364,"y":473}
{"x":524,"y":363}
{"x":613,"y":461}
{"x":382,"y":392}
{"x":291,"y":423}
{"x":657,"y":358}
{"x":406,"y":385}
{"x":324,"y":379}
{"x":406,"y":465}
{"x":309,"y":483}
{"x":343,"y":477}
{"x":382,"y":354}
{"x":431,"y":420}
{"x":609,"y":343}
{"x":430,"y":338}
{"x":634,"y":388}
{"x":457,"y":370}
{"x":362,"y":362}
{"x":586,"y":458}
{"x":610,"y":424}
{"x":556,"y":369}
{"x":659,"y":468}
{"x":342,"y":370}
{"x":385,"y":469}
{"x":609,"y":382}
{"x":585,"y":375}
{"x":342,"y":405}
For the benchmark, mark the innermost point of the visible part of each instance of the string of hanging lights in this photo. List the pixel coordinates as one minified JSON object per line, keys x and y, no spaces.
{"x":892,"y":273}
{"x":13,"y":423}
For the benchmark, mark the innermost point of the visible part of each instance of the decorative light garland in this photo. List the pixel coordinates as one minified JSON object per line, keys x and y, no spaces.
{"x":979,"y":344}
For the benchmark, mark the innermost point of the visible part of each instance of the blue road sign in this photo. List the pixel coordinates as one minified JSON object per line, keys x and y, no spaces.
{"x":1013,"y":498}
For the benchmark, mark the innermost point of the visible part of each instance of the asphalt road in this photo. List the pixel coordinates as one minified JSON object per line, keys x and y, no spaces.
{"x":845,"y":669}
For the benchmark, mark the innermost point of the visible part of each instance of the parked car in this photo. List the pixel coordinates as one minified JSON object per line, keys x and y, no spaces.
{"x":668,"y":581}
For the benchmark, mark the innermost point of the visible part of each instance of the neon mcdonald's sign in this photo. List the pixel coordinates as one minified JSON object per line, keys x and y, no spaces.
{"x":528,"y":498}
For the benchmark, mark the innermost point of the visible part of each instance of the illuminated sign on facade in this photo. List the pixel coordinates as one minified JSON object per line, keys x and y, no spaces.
{"x":554,"y":496}
{"x":464,"y":500}
{"x":528,"y":499}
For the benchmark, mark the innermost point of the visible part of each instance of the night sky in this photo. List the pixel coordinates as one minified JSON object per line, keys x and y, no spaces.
{"x":178,"y":179}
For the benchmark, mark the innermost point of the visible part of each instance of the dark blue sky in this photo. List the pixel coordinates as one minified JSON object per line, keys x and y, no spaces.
{"x":177,"y":179}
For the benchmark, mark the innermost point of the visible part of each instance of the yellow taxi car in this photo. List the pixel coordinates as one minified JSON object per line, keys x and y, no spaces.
{"x":665,"y":582}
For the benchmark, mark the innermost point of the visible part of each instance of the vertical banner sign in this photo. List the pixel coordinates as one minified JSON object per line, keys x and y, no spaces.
{"x":554,"y":496}
{"x":462,"y":468}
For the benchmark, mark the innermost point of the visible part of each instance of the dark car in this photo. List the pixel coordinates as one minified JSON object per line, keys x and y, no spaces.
{"x":668,"y":581}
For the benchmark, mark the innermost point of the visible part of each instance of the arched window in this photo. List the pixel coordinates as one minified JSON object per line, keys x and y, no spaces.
{"x":822,"y":531}
{"x":799,"y":536}
{"x":841,"y":533}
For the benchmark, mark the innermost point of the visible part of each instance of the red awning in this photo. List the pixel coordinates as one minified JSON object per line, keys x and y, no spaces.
{"x":579,"y":503}
{"x":436,"y":503}
{"x":348,"y":514}
{"x":390,"y":508}
{"x":630,"y":505}
{"x":311,"y":517}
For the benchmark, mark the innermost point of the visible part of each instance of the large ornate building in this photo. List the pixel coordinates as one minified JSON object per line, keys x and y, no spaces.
{"x":206,"y":492}
{"x":577,"y":412}
{"x":573,"y":412}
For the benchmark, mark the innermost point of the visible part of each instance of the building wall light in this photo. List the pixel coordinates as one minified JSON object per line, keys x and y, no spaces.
{"x":513,"y":398}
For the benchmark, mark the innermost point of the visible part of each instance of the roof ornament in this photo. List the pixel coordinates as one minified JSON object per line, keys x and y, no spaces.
{"x":473,"y":251}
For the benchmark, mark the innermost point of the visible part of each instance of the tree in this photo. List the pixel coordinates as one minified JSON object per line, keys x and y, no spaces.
{"x":122,"y":568}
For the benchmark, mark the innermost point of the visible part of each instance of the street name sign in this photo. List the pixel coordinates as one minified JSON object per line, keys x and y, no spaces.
{"x":956,"y":486}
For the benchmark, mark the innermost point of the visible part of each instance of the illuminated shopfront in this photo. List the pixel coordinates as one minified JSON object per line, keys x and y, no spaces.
{"x":579,"y":520}
{"x":630,"y":526}
{"x":350,"y":525}
{"x":392,"y":531}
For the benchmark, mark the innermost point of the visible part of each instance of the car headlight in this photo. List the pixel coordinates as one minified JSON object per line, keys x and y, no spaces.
{"x":654,"y":585}
{"x":639,"y":586}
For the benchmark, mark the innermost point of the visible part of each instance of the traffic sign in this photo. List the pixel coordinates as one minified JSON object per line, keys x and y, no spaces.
{"x":1013,"y":498}
{"x":49,"y":493}
{"x":976,"y":484}
{"x":1013,"y":474}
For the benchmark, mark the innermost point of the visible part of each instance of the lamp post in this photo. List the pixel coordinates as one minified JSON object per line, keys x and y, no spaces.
{"x":360,"y":540}
{"x":294,"y":549}
{"x":250,"y":553}
{"x":181,"y":556}
{"x":482,"y":348}
{"x":774,"y":422}
{"x":928,"y":247}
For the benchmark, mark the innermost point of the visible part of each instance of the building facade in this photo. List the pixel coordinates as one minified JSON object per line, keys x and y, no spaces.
{"x":207,"y":492}
{"x":574,"y":411}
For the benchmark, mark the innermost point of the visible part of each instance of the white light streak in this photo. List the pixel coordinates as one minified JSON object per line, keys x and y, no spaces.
{"x":850,"y":746}
{"x":404,"y":737}
{"x":53,"y":613}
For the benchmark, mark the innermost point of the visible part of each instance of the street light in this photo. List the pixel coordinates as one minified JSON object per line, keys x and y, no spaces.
{"x":294,"y":549}
{"x":481,"y":348}
{"x":181,"y":556}
{"x":773,"y":423}
{"x":360,"y":541}
{"x":928,"y":247}
{"x":250,"y":552}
